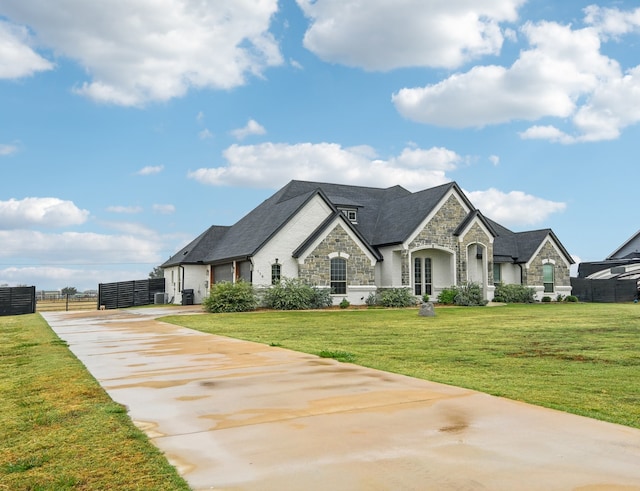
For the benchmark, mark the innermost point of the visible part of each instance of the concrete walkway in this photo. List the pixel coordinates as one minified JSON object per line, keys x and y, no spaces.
{"x":235,"y":415}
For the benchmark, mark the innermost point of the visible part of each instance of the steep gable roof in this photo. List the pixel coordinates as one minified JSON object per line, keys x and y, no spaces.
{"x":475,"y":215}
{"x":252,"y":231}
{"x":199,"y":248}
{"x":519,"y":247}
{"x":400,"y":216}
{"x":323,"y":228}
{"x":630,"y":249}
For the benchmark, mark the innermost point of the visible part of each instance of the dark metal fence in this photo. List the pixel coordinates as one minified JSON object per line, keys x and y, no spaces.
{"x":611,"y":290}
{"x":17,"y":300}
{"x":129,"y":293}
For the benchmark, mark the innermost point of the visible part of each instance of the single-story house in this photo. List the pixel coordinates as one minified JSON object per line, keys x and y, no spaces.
{"x":616,"y":279}
{"x":358,"y":240}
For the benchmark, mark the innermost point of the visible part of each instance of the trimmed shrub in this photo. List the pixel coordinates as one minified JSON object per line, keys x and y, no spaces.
{"x":396,"y":297}
{"x":514,"y":294}
{"x":448,"y":295}
{"x":546,"y":299}
{"x":470,"y":295}
{"x":570,"y":298}
{"x":344,"y":304}
{"x":230,"y":297}
{"x":372,"y":300}
{"x":296,"y":294}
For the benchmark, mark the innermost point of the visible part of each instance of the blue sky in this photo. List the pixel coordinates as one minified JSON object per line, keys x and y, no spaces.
{"x":128,"y":128}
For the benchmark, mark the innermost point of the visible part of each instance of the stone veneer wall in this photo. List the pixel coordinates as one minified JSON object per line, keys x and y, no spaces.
{"x":317,"y":265}
{"x":476,"y":234}
{"x":561,"y":270}
{"x":438,"y":231}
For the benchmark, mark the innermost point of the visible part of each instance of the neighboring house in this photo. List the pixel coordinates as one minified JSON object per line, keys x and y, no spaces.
{"x":616,"y":279}
{"x":359,"y":240}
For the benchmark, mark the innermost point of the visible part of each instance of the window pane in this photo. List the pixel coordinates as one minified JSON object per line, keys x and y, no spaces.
{"x":417,"y":275}
{"x":338,"y":276}
{"x":548,"y":277}
{"x":275,"y":273}
{"x":427,"y":275}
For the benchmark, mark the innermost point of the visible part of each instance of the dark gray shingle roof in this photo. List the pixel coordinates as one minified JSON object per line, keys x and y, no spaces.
{"x":199,"y":248}
{"x":385,"y":217}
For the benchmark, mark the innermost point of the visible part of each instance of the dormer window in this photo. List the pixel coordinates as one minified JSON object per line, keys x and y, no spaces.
{"x":351,"y":215}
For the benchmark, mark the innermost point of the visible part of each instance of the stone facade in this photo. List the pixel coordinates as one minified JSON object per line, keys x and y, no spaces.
{"x":316,"y":267}
{"x":475,"y":235}
{"x":438,"y":231}
{"x":561,"y":273}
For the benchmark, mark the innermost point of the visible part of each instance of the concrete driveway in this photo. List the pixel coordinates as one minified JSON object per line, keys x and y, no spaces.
{"x":236,"y":415}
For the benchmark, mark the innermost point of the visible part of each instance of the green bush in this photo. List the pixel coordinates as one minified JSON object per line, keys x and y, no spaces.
{"x":396,"y":297}
{"x":546,"y":299}
{"x":372,"y":300}
{"x":448,"y":295}
{"x":230,"y":297}
{"x":344,"y":304}
{"x":296,"y":294}
{"x":469,"y":295}
{"x":514,"y":294}
{"x":571,"y":298}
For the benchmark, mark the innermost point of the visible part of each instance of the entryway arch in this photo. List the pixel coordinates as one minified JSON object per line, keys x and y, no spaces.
{"x":432,"y":269}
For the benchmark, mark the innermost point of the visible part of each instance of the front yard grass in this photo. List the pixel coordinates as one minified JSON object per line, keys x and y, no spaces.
{"x":579,"y":358}
{"x":59,"y":429}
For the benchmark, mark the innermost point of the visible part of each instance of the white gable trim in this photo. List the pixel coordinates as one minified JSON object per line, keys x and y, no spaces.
{"x":436,"y":209}
{"x":554,"y":245}
{"x":338,"y":222}
{"x":476,"y":220}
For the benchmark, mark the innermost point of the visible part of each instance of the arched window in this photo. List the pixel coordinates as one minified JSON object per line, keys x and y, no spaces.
{"x":548,"y":277}
{"x":338,"y":276}
{"x":275,"y":273}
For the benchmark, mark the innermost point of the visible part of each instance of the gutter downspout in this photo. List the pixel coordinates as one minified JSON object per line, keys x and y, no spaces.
{"x":181,"y":281}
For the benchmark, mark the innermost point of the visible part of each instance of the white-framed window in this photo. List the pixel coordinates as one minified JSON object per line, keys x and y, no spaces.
{"x":548,"y":277}
{"x":422,"y":282}
{"x":338,"y":276}
{"x":276,"y":270}
{"x":352,"y":215}
{"x":497,"y":274}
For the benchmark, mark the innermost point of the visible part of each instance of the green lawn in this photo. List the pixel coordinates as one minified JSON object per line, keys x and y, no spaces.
{"x":58,"y":429}
{"x":579,"y":358}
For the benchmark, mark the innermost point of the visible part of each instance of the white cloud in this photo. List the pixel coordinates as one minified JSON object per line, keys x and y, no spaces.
{"x":17,"y":57}
{"x":164,"y":209}
{"x":612,"y":21}
{"x":47,"y":212}
{"x":562,"y":75}
{"x":56,"y":278}
{"x":7,"y":149}
{"x":433,"y":34}
{"x":494,"y":159}
{"x":550,"y":133}
{"x":271,"y":165}
{"x":514,"y":207}
{"x":205,"y":134}
{"x":252,"y":128}
{"x":138,"y":51}
{"x":124,"y":209}
{"x":545,"y":81}
{"x":132,"y":229}
{"x":150,"y":170}
{"x":68,"y":247}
